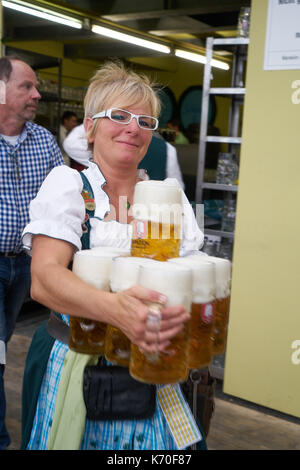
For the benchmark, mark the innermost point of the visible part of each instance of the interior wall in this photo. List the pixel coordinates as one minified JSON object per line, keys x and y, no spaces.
{"x":263,"y":351}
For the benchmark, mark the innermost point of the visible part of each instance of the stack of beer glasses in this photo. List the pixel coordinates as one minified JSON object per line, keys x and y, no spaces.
{"x":124,"y":274}
{"x":157,"y":213}
{"x":223,"y":285}
{"x":87,"y":336}
{"x":170,"y":365}
{"x":200,"y":351}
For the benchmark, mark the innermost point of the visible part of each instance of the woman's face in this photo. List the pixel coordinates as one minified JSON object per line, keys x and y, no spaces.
{"x":121,"y":144}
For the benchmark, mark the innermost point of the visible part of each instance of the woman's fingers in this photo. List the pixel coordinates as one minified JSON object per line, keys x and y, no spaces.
{"x":173,"y":316}
{"x":147,"y":295}
{"x":146,"y":321}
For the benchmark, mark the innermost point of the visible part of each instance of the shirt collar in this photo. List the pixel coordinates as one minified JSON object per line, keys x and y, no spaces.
{"x":29,"y":127}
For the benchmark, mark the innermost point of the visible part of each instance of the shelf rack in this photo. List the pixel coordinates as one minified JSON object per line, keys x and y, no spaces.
{"x":235,"y":93}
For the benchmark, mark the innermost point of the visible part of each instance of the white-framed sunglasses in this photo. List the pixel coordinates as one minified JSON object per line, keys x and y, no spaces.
{"x":121,"y":116}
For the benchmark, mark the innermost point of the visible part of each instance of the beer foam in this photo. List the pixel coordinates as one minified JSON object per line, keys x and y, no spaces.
{"x":157,"y":201}
{"x":94,"y":267}
{"x":204,"y":277}
{"x":223,"y":274}
{"x":174,"y":281}
{"x":125,"y":271}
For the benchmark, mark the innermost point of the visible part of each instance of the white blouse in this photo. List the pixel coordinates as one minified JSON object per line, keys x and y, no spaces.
{"x":58,"y":211}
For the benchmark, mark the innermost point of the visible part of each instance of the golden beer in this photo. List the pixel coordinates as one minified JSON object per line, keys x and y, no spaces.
{"x":169,"y":366}
{"x":220,"y":325}
{"x":152,"y":244}
{"x":157,"y":213}
{"x":124,"y":274}
{"x":201,"y":339}
{"x":87,"y":336}
{"x":223,"y":284}
{"x":202,"y":313}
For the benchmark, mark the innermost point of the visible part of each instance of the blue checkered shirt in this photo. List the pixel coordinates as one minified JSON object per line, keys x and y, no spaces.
{"x":23,"y":168}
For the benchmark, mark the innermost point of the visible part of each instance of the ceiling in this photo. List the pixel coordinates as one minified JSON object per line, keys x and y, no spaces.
{"x":186,"y":23}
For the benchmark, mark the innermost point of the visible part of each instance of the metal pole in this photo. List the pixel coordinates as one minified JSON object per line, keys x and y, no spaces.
{"x":1,"y":30}
{"x":204,"y":119}
{"x":59,"y":100}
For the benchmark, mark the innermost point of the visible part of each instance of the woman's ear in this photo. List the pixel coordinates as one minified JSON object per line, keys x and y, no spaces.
{"x":88,"y":124}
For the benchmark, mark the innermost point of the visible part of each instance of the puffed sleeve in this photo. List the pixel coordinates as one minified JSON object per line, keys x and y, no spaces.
{"x":58,"y":210}
{"x":192,"y":237}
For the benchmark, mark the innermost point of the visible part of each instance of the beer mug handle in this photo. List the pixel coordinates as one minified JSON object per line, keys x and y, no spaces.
{"x":153,"y":321}
{"x":154,"y":317}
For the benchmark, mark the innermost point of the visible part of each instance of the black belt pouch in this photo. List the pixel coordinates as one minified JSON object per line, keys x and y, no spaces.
{"x":110,"y":393}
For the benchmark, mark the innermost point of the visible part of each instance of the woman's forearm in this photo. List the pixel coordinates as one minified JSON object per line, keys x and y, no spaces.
{"x":59,"y":289}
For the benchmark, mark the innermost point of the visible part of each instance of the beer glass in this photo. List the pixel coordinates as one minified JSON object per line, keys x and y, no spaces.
{"x":124,"y":274}
{"x":157,"y":213}
{"x":223,"y":285}
{"x":200,"y":350}
{"x":170,"y":365}
{"x":87,"y":336}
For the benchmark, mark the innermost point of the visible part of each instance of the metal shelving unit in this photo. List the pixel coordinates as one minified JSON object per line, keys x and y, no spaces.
{"x":236,"y":93}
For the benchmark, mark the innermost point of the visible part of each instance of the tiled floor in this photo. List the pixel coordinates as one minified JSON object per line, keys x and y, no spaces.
{"x":233,"y":427}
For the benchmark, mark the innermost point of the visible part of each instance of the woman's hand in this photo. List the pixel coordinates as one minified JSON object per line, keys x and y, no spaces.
{"x":149,"y":332}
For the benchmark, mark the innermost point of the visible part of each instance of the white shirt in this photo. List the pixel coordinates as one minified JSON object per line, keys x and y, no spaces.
{"x":76,"y":146}
{"x":58,"y":211}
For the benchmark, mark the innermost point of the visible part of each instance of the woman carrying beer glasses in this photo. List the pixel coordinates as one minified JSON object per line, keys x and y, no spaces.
{"x":121,"y":109}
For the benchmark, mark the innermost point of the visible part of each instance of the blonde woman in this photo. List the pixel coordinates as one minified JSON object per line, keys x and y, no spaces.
{"x":121,"y":109}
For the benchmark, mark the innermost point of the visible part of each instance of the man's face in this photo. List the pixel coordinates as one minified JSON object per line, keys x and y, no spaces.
{"x":70,"y":123}
{"x":22,"y":96}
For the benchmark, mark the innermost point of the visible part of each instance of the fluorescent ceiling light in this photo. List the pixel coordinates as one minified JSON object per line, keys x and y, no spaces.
{"x":111,"y":33}
{"x":201,"y":59}
{"x":43,"y":13}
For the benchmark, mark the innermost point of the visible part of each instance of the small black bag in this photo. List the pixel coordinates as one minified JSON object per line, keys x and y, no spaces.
{"x":110,"y":393}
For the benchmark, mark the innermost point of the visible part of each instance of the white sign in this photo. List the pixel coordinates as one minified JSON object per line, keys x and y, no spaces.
{"x":282,"y":49}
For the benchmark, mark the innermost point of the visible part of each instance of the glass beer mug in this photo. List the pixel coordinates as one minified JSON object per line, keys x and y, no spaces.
{"x":87,"y":336}
{"x":157,"y":213}
{"x":124,"y":274}
{"x":200,"y":350}
{"x":223,"y":285}
{"x":170,"y":365}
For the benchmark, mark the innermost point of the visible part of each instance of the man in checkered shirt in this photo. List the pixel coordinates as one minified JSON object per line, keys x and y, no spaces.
{"x":27,"y":153}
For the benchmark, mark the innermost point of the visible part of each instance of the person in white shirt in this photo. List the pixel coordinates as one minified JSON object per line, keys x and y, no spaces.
{"x":68,"y":121}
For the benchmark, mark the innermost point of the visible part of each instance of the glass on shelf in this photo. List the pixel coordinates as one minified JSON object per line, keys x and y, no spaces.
{"x":227,"y":169}
{"x":226,"y":249}
{"x":210,"y":247}
{"x":228,"y":216}
{"x":244,"y":22}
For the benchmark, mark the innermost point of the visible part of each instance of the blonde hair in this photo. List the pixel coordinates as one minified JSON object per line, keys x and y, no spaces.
{"x":115,"y":85}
